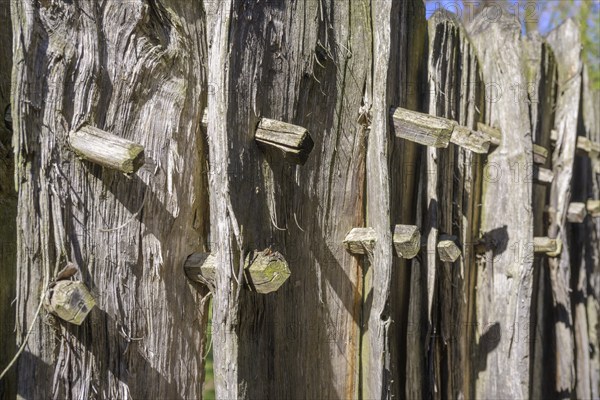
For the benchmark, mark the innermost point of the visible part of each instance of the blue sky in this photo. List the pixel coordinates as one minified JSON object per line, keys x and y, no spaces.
{"x":539,"y":10}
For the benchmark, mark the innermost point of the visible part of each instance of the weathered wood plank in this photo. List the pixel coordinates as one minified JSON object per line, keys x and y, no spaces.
{"x":542,"y":175}
{"x":494,"y":134}
{"x":106,"y":149}
{"x":136,"y":68}
{"x":566,"y":45}
{"x":504,"y":288}
{"x":475,"y":141}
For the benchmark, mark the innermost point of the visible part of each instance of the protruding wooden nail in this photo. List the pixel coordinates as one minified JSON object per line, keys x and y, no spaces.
{"x":542,"y":175}
{"x":422,"y":128}
{"x":71,"y":301}
{"x":576,"y":213}
{"x":106,"y":149}
{"x":448,"y":249}
{"x":540,"y":154}
{"x":585,"y":147}
{"x":494,"y":134}
{"x":551,"y":247}
{"x":265,"y":271}
{"x":475,"y":141}
{"x":360,"y":241}
{"x":407,"y":240}
{"x":593,"y":207}
{"x":293,"y":141}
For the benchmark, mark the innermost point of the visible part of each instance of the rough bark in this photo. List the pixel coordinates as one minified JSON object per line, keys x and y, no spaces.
{"x":566,"y":45}
{"x":333,"y":68}
{"x":133,"y":69}
{"x":8,"y":211}
{"x":504,"y":282}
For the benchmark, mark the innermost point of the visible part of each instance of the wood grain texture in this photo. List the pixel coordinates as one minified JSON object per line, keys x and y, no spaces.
{"x":505,"y":281}
{"x":8,"y":213}
{"x":566,"y":45}
{"x":135,"y":68}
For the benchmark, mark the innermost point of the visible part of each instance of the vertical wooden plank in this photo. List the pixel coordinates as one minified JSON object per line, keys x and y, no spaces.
{"x":566,"y":45}
{"x":129,"y":235}
{"x":501,"y":357}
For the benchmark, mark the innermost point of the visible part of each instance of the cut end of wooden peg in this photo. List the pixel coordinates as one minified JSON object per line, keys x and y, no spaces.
{"x":495,"y":136}
{"x":103,"y":148}
{"x":360,"y":241}
{"x":543,"y":244}
{"x":448,"y":249}
{"x":422,"y":128}
{"x":587,"y":148}
{"x":204,"y":122}
{"x":576,"y":213}
{"x":540,"y":154}
{"x":71,"y":301}
{"x":293,"y":141}
{"x":593,"y":208}
{"x":407,"y":241}
{"x":475,"y":141}
{"x":200,"y":267}
{"x":542,"y":175}
{"x":266,"y":271}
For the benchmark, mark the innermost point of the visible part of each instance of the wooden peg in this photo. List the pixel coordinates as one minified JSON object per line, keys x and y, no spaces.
{"x":593,"y":208}
{"x":71,"y":301}
{"x":475,"y":141}
{"x":494,"y":134}
{"x":265,"y":271}
{"x":204,"y":122}
{"x":576,"y":213}
{"x":551,"y":247}
{"x":422,"y":128}
{"x":448,"y":249}
{"x":542,"y":175}
{"x":407,"y":241}
{"x":540,"y":154}
{"x":292,"y":140}
{"x":585,"y":147}
{"x":360,"y":240}
{"x":106,"y":149}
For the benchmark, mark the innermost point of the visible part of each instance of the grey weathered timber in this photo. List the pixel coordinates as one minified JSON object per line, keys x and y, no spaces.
{"x":293,"y":141}
{"x":448,"y":249}
{"x":475,"y":141}
{"x":422,"y":128}
{"x":542,"y":175}
{"x":540,"y":154}
{"x":587,"y":148}
{"x":541,"y":94}
{"x":71,"y":301}
{"x":106,"y":149}
{"x":566,"y":45}
{"x":200,"y":267}
{"x":136,"y":68}
{"x":593,"y":207}
{"x":543,"y":244}
{"x":407,"y":240}
{"x":437,"y":132}
{"x":292,"y":61}
{"x":494,"y":134}
{"x":576,"y":212}
{"x":8,"y":212}
{"x":501,"y":366}
{"x":360,"y":241}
